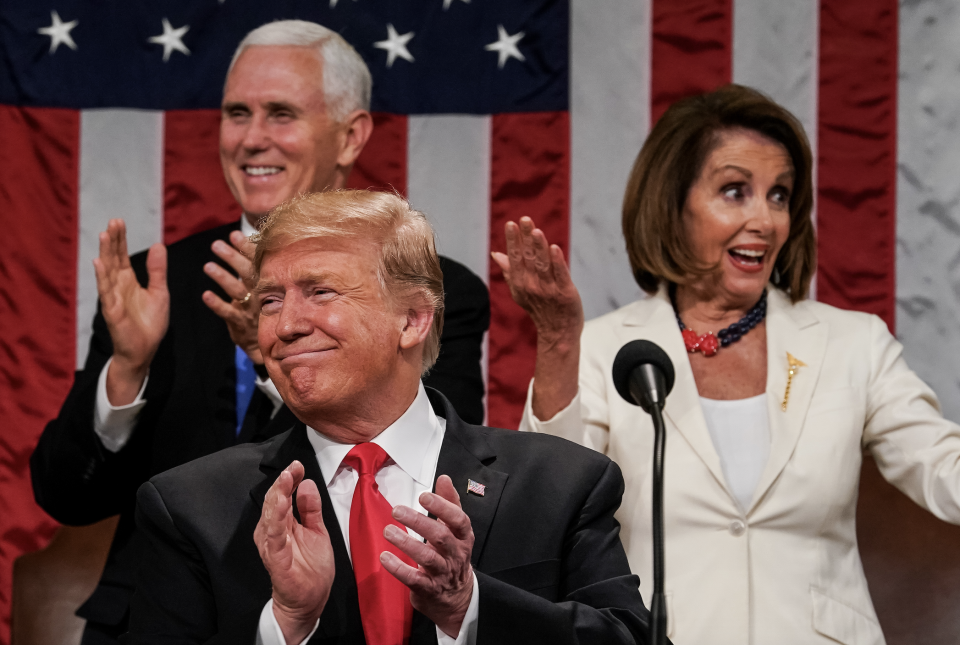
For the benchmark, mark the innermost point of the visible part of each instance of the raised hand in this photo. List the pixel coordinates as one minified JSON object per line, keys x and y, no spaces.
{"x":442,"y":586}
{"x":539,"y":281}
{"x":240,"y":314}
{"x":137,"y":318}
{"x":297,"y":555}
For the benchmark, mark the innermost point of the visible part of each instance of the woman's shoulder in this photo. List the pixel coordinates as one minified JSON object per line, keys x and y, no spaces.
{"x":841,"y":323}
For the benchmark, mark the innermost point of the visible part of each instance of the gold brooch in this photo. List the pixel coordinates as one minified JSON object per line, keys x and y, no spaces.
{"x":793,"y":364}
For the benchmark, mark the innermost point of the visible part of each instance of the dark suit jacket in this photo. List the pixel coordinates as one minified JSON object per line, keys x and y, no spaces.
{"x":190,"y":410}
{"x":548,"y":557}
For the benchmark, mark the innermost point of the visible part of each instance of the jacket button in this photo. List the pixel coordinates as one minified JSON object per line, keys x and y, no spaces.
{"x":737,"y":528}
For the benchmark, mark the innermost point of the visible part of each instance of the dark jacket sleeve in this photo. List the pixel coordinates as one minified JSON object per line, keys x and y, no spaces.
{"x":600,"y":601}
{"x":178,"y":603}
{"x":75,"y":479}
{"x":466,"y":318}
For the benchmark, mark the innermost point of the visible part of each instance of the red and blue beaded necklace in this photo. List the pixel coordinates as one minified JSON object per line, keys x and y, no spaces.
{"x":708,"y":344}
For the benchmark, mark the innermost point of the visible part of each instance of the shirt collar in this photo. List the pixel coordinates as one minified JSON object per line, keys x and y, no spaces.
{"x":406,"y":441}
{"x":246,"y":227}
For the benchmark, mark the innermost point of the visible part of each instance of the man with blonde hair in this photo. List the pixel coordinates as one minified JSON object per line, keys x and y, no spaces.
{"x":174,"y":371}
{"x":323,"y":533}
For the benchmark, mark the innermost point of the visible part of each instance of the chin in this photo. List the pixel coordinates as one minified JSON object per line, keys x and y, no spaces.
{"x":749,"y":288}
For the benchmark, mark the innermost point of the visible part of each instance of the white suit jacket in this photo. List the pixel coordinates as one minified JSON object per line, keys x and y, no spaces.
{"x":787,"y":570}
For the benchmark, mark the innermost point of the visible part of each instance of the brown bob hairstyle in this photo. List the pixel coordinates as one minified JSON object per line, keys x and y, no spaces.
{"x":671,"y":160}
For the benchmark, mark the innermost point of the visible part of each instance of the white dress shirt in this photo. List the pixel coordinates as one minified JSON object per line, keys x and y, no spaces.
{"x":412,"y":443}
{"x":114,"y":423}
{"x":740,"y":430}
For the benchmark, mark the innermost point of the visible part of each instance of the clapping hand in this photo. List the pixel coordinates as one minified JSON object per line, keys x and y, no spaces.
{"x":240,"y":313}
{"x":297,"y":555}
{"x":442,"y":586}
{"x":136,"y":318}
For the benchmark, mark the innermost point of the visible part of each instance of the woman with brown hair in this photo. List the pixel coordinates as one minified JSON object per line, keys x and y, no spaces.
{"x":775,"y":398}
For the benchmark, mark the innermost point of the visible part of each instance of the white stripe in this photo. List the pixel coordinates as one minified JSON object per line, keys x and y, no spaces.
{"x":610,"y":117}
{"x":448,"y":178}
{"x":121,"y":175}
{"x":928,"y":193}
{"x":776,"y":50}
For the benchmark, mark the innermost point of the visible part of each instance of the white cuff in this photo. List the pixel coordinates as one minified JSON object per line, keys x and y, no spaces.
{"x":566,"y":423}
{"x":267,"y":387}
{"x":114,"y":424}
{"x":269,"y":632}
{"x":468,"y":628}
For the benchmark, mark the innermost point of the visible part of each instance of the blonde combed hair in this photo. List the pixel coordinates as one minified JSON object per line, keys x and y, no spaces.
{"x":409,"y":269}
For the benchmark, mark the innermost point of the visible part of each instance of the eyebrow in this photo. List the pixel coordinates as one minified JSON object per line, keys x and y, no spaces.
{"x":781,"y":177}
{"x":272,"y":106}
{"x":301,"y":279}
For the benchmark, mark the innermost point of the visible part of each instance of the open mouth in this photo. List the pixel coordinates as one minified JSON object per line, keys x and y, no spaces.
{"x":747,"y":259}
{"x":261,"y":171}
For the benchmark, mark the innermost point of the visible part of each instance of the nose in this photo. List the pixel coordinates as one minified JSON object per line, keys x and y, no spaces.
{"x":293,"y":321}
{"x":256,"y":137}
{"x":761,"y":218}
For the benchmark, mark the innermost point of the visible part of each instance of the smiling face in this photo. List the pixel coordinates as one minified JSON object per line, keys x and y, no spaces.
{"x":275,"y":137}
{"x":335,"y":347}
{"x":737,"y":214}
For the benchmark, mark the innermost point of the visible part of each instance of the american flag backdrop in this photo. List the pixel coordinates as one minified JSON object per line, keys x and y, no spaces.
{"x":485,"y":110}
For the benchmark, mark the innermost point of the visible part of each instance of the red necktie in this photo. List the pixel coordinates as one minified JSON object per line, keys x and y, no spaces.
{"x":384,"y":601}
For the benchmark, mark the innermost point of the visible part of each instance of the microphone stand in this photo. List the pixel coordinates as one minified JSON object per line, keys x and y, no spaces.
{"x":658,"y":605}
{"x":648,"y":389}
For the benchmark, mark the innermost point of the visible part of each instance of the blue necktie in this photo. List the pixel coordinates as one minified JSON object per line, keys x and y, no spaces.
{"x":246,"y":383}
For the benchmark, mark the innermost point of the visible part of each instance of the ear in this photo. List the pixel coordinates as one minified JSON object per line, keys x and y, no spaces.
{"x":357,"y":129}
{"x":417,"y":327}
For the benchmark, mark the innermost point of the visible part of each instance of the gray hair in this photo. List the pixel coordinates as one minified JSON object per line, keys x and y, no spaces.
{"x":346,"y":79}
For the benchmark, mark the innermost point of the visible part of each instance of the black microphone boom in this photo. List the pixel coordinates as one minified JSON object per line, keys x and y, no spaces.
{"x":643,"y":375}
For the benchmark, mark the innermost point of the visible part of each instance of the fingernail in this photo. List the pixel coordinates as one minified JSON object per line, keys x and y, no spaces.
{"x":219,"y":245}
{"x":390,"y":531}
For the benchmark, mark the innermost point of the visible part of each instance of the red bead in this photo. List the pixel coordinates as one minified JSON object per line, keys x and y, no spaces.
{"x":691,"y":340}
{"x":709,"y":344}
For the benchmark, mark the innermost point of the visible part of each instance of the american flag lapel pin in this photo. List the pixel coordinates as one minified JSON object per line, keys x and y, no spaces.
{"x":476,"y":487}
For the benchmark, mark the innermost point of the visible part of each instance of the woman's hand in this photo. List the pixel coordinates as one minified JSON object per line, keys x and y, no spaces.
{"x":539,"y":281}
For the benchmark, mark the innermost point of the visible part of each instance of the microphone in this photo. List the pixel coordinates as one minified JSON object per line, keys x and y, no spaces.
{"x":643,"y":375}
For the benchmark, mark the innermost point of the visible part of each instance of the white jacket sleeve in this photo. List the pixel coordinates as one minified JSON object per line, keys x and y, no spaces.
{"x":915,"y":448}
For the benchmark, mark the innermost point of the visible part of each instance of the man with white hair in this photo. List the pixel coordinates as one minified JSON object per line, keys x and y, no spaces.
{"x":175,"y":372}
{"x":322,"y":534}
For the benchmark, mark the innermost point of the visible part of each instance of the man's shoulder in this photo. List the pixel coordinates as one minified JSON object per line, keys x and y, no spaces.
{"x":231,"y":471}
{"x":193,"y":247}
{"x":457,"y":278}
{"x":535,"y":452}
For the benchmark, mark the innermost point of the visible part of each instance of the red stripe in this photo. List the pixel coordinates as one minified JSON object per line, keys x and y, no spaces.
{"x":383,"y":163}
{"x":38,"y":281}
{"x":691,"y":49}
{"x":857,"y":155}
{"x":529,"y":175}
{"x":195,"y":194}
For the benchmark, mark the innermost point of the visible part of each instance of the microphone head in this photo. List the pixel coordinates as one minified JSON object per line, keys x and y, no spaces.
{"x":633,"y":355}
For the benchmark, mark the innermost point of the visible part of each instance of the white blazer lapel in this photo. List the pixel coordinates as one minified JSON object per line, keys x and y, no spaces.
{"x":682,"y":411}
{"x":794,"y":330}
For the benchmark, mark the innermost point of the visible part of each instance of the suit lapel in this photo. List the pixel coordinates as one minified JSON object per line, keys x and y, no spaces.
{"x":793,"y":329}
{"x":464,"y":456}
{"x":342,"y":613}
{"x":682,"y":411}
